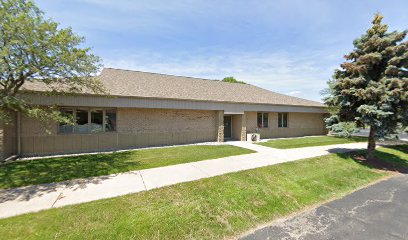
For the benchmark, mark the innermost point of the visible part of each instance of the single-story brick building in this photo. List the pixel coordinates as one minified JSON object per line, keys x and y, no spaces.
{"x":148,"y":109}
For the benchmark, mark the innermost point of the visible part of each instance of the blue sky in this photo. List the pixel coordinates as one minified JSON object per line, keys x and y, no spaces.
{"x":287,"y":46}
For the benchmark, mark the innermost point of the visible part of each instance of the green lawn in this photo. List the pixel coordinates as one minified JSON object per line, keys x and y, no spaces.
{"x":212,"y":208}
{"x":394,"y":155}
{"x":310,"y":142}
{"x":47,"y":170}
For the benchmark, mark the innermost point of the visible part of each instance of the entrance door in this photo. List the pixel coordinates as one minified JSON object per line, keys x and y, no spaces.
{"x":227,"y":126}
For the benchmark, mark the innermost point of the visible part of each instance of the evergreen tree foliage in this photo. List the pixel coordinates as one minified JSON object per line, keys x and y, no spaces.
{"x":371,"y":87}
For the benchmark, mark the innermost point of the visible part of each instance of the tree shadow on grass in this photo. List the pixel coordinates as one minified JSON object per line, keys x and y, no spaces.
{"x":402,"y":148}
{"x":29,"y":192}
{"x":24,"y":180}
{"x":383,"y":160}
{"x":353,"y":138}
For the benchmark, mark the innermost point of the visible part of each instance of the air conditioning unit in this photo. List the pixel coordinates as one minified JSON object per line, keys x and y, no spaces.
{"x":253,"y":137}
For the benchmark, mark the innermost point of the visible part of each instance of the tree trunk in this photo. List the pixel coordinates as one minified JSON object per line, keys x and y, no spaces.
{"x":371,"y":143}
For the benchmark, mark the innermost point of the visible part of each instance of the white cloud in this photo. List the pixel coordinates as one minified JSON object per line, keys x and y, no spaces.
{"x":292,"y":93}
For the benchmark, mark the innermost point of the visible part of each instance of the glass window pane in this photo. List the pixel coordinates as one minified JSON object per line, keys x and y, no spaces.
{"x":285,"y":120}
{"x":265,"y":120}
{"x":96,"y":121}
{"x":64,"y":127}
{"x":82,"y":121}
{"x":110,"y":120}
{"x":259,"y":119}
{"x":279,"y":119}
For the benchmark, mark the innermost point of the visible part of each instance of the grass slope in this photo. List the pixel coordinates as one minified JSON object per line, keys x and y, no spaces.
{"x":310,"y":142}
{"x":47,"y":170}
{"x":211,"y":208}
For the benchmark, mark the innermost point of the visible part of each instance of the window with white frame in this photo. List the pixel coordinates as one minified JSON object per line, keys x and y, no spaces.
{"x":89,"y":120}
{"x":283,"y":120}
{"x":262,"y":120}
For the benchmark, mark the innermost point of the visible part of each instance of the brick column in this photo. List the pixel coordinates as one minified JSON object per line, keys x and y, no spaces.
{"x":220,"y":126}
{"x":243,"y":127}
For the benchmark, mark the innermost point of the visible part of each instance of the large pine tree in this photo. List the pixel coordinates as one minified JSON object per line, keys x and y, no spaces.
{"x":371,"y":87}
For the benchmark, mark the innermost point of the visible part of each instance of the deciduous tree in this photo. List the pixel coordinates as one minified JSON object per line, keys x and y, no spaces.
{"x":36,"y":49}
{"x":232,"y":80}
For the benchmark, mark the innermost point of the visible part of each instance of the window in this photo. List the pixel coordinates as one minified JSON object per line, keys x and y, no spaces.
{"x":110,"y":120}
{"x":65,"y":127}
{"x":96,"y":121}
{"x":259,"y":120}
{"x":82,"y":121}
{"x":89,"y":121}
{"x":282,"y":120}
{"x":262,"y":120}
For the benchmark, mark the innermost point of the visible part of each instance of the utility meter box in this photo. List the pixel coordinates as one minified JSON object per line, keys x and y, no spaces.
{"x":253,"y":137}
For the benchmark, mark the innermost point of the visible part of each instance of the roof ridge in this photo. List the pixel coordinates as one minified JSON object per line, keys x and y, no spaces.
{"x":165,"y":74}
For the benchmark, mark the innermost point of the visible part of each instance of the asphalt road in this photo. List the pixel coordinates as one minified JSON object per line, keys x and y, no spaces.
{"x":365,"y":132}
{"x":379,"y":211}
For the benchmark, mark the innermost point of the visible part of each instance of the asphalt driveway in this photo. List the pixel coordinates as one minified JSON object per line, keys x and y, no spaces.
{"x":379,"y":211}
{"x":365,"y":132}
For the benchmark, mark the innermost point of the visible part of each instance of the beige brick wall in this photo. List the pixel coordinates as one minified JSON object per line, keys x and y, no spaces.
{"x":8,"y":140}
{"x":236,"y":126}
{"x":239,"y":127}
{"x":149,"y":127}
{"x":135,"y":128}
{"x":140,"y":127}
{"x":220,"y":126}
{"x":299,"y":124}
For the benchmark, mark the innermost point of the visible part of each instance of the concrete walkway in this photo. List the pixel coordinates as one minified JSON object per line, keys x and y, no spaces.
{"x":39,"y":197}
{"x":379,"y":211}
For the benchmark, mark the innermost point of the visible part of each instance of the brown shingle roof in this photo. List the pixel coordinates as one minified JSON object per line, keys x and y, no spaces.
{"x":153,"y":85}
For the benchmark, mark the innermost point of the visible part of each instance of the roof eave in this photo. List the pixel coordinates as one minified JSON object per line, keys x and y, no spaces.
{"x":161,"y":98}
